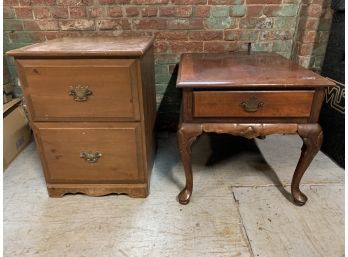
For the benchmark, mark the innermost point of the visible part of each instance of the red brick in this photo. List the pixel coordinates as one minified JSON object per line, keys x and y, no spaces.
{"x":205,"y":35}
{"x":172,"y":35}
{"x":115,"y":11}
{"x":79,"y":24}
{"x":185,"y":46}
{"x":112,"y":24}
{"x":24,"y":12}
{"x":41,"y":13}
{"x":77,"y":12}
{"x":291,"y":1}
{"x":254,"y":10}
{"x":176,"y":11}
{"x":220,"y":46}
{"x":25,"y":2}
{"x":304,"y":61}
{"x":150,"y":23}
{"x":185,"y":24}
{"x":48,"y":25}
{"x":37,"y":2}
{"x":263,"y":1}
{"x":184,"y":11}
{"x":60,"y":12}
{"x":312,"y":10}
{"x":11,"y":24}
{"x":167,"y":11}
{"x":272,"y":10}
{"x":132,"y":11}
{"x":308,"y":23}
{"x":150,"y":11}
{"x":220,"y":2}
{"x":8,"y":12}
{"x":135,"y":33}
{"x":41,"y":25}
{"x":201,"y":11}
{"x":307,"y":36}
{"x":231,"y":34}
{"x":74,"y":2}
{"x":95,"y":11}
{"x":304,"y":49}
{"x":186,"y":2}
{"x":10,"y":3}
{"x":161,"y":46}
{"x":114,"y":1}
{"x":151,"y":1}
{"x":50,"y":34}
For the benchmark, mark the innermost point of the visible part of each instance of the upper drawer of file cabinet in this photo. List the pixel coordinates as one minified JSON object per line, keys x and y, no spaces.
{"x":80,"y":89}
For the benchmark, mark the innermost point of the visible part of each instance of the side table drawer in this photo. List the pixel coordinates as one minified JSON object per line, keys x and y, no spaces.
{"x":80,"y":89}
{"x":252,"y":103}
{"x":90,"y":152}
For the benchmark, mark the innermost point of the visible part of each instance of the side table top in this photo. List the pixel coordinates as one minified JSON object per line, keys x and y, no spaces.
{"x":86,"y":46}
{"x":232,"y":70}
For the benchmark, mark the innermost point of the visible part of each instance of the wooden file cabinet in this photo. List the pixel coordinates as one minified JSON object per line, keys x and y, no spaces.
{"x":92,"y":108}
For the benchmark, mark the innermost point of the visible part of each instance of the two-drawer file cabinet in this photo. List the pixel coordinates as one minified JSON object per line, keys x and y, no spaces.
{"x":92,"y":108}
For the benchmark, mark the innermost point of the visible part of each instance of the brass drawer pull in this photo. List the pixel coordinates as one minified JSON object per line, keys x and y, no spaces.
{"x":252,"y":104}
{"x":80,"y":93}
{"x":90,"y":157}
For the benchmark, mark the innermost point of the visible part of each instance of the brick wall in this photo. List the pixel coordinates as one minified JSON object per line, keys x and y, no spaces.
{"x":179,"y":26}
{"x":312,"y":35}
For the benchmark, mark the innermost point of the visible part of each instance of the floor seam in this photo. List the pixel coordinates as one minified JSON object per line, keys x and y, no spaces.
{"x":244,"y":232}
{"x":287,"y":185}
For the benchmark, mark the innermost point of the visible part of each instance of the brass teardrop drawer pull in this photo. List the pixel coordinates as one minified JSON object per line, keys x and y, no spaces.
{"x":80,"y":93}
{"x":252,"y":104}
{"x":90,"y":157}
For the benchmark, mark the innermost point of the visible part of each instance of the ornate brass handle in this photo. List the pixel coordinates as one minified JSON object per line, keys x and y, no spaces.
{"x":80,"y":93}
{"x":90,"y":157}
{"x":252,"y":104}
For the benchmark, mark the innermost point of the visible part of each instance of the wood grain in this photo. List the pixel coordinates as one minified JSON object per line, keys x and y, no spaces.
{"x":116,"y":120}
{"x":146,"y":69}
{"x":86,"y":47}
{"x":236,"y":70}
{"x":113,"y":84}
{"x":119,"y":143}
{"x":132,"y":190}
{"x":275,"y":103}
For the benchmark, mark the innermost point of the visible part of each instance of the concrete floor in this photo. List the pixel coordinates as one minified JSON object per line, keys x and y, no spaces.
{"x":239,"y":207}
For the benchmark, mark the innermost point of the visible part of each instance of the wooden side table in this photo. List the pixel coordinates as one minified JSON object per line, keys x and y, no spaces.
{"x":249,"y":96}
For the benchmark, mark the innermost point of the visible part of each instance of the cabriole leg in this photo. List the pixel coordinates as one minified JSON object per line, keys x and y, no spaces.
{"x":186,"y":135}
{"x":312,"y":137}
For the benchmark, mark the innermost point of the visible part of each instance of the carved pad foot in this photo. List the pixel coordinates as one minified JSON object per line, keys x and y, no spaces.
{"x":299,"y":197}
{"x":184,"y":196}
